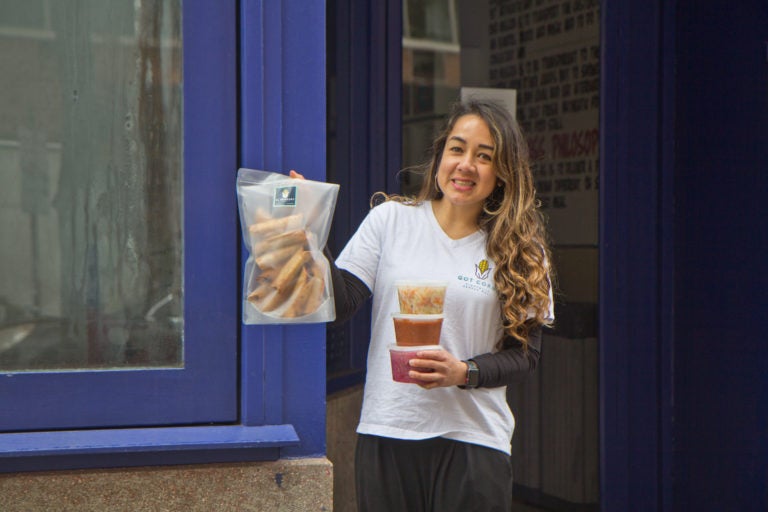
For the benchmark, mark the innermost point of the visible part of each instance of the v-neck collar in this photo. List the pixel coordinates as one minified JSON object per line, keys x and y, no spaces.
{"x":442,"y":235}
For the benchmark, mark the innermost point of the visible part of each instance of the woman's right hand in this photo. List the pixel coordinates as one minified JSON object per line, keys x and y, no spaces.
{"x":294,"y":174}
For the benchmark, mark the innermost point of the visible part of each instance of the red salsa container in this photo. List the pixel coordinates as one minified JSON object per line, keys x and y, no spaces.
{"x":399,"y":357}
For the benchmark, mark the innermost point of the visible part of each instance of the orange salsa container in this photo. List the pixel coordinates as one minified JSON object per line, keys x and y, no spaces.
{"x":414,"y":330}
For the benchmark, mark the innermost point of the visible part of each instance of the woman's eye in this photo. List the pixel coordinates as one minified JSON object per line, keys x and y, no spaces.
{"x":486,"y":157}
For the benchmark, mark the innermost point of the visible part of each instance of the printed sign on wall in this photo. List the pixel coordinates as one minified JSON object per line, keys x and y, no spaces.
{"x":549,"y":51}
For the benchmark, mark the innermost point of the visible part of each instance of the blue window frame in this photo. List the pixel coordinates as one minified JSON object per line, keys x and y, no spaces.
{"x":254,"y":88}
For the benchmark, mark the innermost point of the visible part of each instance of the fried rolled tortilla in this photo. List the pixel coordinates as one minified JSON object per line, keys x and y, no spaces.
{"x":274,"y":242}
{"x":314,"y":268}
{"x":299,"y":296}
{"x":261,"y":292}
{"x":316,"y":294}
{"x":266,"y":276}
{"x":277,"y":299}
{"x":272,"y":226}
{"x":276,"y":258}
{"x":290,"y":270}
{"x":262,"y":215}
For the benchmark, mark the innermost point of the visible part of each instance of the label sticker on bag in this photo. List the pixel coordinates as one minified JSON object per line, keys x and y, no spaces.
{"x":285,"y":196}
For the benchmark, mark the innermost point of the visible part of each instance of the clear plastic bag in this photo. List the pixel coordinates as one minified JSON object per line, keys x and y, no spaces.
{"x":285,"y":224}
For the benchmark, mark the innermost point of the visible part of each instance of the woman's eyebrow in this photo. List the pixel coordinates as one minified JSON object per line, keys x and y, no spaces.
{"x":460,"y":139}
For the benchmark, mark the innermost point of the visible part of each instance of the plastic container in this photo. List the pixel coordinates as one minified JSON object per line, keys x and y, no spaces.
{"x":399,"y":357}
{"x":421,"y":297}
{"x":415,"y":330}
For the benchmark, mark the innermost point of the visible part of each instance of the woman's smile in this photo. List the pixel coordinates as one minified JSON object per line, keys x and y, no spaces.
{"x":462,"y":184}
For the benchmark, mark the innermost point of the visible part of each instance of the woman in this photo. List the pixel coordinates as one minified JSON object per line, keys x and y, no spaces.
{"x":444,"y":444}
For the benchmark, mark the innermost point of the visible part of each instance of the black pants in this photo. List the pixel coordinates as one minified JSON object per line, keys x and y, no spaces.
{"x":433,"y":475}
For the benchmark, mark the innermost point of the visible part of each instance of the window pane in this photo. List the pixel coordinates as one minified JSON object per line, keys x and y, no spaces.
{"x":430,"y":19}
{"x":91,"y":187}
{"x":29,"y":14}
{"x":548,"y":54}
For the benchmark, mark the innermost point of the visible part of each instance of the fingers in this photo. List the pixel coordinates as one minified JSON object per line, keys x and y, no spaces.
{"x":294,"y":174}
{"x":437,"y":368}
{"x":429,"y":372}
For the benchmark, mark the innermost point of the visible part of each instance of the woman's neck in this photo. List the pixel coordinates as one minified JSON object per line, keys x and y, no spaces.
{"x":456,"y":222}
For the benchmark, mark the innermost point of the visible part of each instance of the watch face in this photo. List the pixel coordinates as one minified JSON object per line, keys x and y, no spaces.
{"x":473,"y":374}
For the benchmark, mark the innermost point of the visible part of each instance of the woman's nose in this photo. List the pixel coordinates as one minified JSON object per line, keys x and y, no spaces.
{"x":467,"y":163}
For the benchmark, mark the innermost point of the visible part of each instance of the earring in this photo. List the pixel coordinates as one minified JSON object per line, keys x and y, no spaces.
{"x":490,"y":212}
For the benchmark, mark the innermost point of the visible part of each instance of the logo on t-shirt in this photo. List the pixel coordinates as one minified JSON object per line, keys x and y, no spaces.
{"x":482,"y":269}
{"x":479,"y":282}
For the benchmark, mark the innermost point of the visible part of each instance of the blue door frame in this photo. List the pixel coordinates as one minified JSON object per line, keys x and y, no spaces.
{"x":364,"y":131}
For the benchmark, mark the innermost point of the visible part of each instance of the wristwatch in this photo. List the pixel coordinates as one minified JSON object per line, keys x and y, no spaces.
{"x":473,"y":375}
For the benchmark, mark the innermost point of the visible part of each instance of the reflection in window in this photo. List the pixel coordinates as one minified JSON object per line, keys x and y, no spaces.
{"x":431,"y":77}
{"x":90,"y":185}
{"x":432,"y":20}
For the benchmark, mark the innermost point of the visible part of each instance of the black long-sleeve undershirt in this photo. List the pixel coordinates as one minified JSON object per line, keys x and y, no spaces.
{"x":507,"y":366}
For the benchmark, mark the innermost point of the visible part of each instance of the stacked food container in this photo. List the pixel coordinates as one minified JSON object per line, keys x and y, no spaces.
{"x":417,"y":325}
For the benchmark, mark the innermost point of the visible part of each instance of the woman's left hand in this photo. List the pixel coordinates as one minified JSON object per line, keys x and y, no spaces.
{"x":447,"y":370}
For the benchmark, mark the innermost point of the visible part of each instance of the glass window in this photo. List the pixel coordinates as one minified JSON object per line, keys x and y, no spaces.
{"x":431,"y":20}
{"x":118,"y":295}
{"x":431,"y":70}
{"x":547,"y":54}
{"x":91,"y":187}
{"x":24,"y":14}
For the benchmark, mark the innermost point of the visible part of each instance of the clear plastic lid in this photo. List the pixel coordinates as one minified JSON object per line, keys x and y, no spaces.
{"x":418,"y":318}
{"x":398,"y":348}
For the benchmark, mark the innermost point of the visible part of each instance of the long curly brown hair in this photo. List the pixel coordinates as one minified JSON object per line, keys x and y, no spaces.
{"x":517,"y":240}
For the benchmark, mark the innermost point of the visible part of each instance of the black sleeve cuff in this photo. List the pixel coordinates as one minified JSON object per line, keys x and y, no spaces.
{"x":511,"y":365}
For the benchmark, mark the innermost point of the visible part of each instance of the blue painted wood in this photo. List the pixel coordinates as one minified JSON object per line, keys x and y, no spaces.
{"x":252,"y":115}
{"x":394,"y":78}
{"x":636,"y":221}
{"x":721,"y":241}
{"x":283,"y":127}
{"x":666,"y":241}
{"x":304,"y":146}
{"x":366,"y":41}
{"x":349,"y":166}
{"x":205,"y":389}
{"x":261,"y":148}
{"x":80,"y":442}
{"x":132,"y":447}
{"x":684,"y":392}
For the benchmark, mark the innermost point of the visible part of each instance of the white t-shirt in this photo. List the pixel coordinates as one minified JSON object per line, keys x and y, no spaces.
{"x":397,"y":241}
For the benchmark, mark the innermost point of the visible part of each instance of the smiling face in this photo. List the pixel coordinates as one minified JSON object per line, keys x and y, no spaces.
{"x":467,"y":175}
